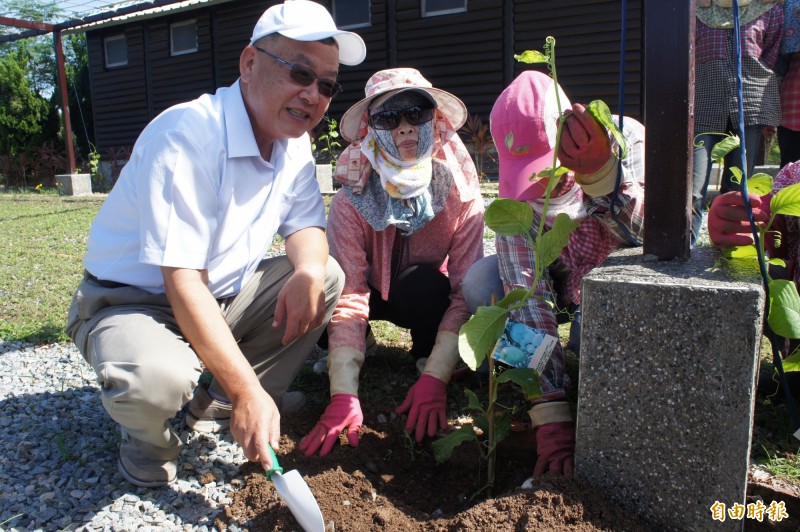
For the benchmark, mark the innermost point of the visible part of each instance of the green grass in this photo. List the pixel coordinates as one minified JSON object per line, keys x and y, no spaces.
{"x":42,"y":242}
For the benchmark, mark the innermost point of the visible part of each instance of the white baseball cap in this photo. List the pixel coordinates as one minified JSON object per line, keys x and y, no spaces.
{"x":304,"y":20}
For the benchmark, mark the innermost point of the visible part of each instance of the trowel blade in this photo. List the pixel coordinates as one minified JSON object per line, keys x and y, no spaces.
{"x":298,"y":497}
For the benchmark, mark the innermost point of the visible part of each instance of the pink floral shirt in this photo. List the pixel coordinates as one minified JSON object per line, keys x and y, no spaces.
{"x":452,"y":240}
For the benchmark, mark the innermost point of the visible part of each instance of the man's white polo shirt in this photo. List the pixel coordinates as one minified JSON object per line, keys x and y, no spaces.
{"x":197,"y":194}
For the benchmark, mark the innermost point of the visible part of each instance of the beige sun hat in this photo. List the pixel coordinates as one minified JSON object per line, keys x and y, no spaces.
{"x":388,"y":82}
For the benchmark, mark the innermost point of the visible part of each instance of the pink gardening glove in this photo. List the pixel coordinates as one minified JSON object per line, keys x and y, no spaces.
{"x":555,"y":449}
{"x":727,"y":219}
{"x":584,"y":146}
{"x":427,"y":402}
{"x":344,"y":411}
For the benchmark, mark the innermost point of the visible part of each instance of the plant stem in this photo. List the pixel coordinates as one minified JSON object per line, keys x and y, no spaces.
{"x":491,"y":455}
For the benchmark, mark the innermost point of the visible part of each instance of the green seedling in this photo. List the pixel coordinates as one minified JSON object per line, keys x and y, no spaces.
{"x":478,"y":337}
{"x":784,"y":301}
{"x":326,"y":146}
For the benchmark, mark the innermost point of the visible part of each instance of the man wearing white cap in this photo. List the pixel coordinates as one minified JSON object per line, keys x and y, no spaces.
{"x":174,"y":270}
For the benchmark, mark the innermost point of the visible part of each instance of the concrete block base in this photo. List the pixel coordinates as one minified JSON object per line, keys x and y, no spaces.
{"x":74,"y":184}
{"x":669,"y":357}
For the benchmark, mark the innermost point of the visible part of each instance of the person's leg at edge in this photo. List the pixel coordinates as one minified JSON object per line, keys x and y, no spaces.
{"x":789,"y":144}
{"x":481,"y":282}
{"x":146,"y":371}
{"x":701,"y":175}
{"x":250,"y":315}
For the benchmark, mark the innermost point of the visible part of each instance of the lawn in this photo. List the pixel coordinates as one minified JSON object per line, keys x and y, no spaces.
{"x":42,"y":242}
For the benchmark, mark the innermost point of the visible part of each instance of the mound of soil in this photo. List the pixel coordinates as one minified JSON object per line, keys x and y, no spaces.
{"x":392,"y":483}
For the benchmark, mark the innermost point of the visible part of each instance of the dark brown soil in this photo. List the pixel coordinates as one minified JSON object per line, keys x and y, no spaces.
{"x":391,"y":483}
{"x":387,"y":484}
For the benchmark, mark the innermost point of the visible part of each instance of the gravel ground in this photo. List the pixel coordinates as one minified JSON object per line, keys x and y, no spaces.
{"x":58,"y":455}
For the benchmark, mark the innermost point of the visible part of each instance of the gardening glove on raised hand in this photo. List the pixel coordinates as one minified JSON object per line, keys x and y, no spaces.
{"x":727,"y":219}
{"x":555,"y":438}
{"x":586,"y":150}
{"x":344,"y":411}
{"x":426,"y":402}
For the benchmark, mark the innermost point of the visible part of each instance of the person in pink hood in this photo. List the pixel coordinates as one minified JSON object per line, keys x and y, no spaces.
{"x":524,"y":124}
{"x":405,"y":227}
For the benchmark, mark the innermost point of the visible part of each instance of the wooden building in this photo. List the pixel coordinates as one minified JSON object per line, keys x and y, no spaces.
{"x":143,"y":63}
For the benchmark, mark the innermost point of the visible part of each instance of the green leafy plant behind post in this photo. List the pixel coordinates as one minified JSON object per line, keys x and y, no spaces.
{"x":326,"y":146}
{"x":784,"y":301}
{"x":480,"y":334}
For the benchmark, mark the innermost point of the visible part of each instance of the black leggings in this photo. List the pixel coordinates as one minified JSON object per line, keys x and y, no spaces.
{"x":418,"y":298}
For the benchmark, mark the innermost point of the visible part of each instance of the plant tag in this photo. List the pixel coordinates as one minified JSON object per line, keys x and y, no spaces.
{"x":797,"y":434}
{"x":522,"y":346}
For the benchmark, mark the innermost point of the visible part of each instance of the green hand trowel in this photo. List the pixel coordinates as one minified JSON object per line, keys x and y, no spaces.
{"x":296,"y":494}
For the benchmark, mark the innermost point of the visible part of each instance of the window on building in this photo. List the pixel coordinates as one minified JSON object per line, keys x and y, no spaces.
{"x":432,"y":8}
{"x":183,"y":37}
{"x":351,"y":13}
{"x":116,"y":50}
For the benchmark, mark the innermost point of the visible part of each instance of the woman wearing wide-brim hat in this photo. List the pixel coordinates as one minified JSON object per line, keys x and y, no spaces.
{"x":405,"y":227}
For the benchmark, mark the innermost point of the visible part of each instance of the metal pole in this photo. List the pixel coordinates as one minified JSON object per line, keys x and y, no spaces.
{"x":62,"y":87}
{"x":669,"y":122}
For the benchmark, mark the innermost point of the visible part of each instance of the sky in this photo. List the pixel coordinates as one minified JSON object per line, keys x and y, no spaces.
{"x":82,"y":7}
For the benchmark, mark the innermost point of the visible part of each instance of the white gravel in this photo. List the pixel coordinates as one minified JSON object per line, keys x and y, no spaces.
{"x":58,"y":455}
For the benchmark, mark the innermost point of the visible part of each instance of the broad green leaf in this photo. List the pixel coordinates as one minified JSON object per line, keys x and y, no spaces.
{"x":740,"y":252}
{"x":525,"y":378}
{"x":443,"y":447}
{"x":502,"y":426}
{"x":600,"y":111}
{"x":509,"y":217}
{"x":474,"y":402}
{"x":531,"y":56}
{"x":777,"y":262}
{"x":784,"y":312}
{"x":551,"y":243}
{"x":760,"y":184}
{"x":516,"y":295}
{"x":549,"y":172}
{"x":792,"y":362}
{"x":786,"y":201}
{"x":481,"y":423}
{"x":480,"y":334}
{"x":724,"y":147}
{"x":737,"y":175}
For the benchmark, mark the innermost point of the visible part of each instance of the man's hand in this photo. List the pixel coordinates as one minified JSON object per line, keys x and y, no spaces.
{"x":728,"y":224}
{"x":555,"y":449}
{"x":426,"y":404}
{"x":584,"y":146}
{"x":301,"y":303}
{"x":343,"y":412}
{"x":256,"y":424}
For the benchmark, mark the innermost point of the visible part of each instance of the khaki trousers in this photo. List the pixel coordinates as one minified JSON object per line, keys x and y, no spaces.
{"x":147,"y":371}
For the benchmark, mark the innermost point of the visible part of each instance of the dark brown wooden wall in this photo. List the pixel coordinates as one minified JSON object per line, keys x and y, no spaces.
{"x":468,"y":54}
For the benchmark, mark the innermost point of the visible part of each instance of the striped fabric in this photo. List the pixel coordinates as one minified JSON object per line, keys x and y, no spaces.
{"x":716,"y":100}
{"x":595,"y":238}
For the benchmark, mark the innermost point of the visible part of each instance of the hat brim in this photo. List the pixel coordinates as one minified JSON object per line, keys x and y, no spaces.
{"x":451,"y":107}
{"x":352,"y":50}
{"x":515,"y":176}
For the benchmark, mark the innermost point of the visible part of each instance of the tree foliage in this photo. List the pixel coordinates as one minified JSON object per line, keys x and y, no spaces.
{"x":31,"y":114}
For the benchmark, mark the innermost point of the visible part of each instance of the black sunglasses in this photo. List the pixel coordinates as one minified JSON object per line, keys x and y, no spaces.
{"x":304,"y":76}
{"x":391,"y":119}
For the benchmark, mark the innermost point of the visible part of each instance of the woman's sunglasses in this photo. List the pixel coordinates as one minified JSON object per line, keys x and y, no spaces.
{"x":391,"y":119}
{"x":304,"y":76}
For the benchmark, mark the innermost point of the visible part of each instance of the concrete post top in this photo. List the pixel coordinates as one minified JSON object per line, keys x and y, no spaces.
{"x":705,"y":268}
